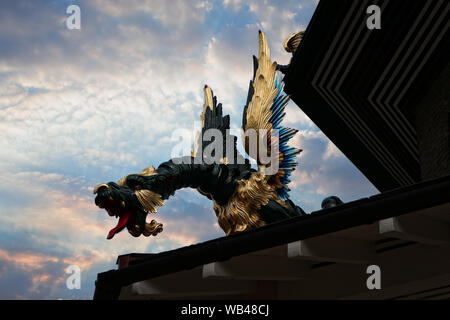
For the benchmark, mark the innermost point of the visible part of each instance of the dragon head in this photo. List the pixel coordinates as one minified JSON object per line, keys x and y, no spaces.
{"x":130,"y":206}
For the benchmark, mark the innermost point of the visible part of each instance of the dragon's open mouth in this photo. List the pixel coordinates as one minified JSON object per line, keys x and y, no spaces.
{"x":123,"y":220}
{"x":115,"y":208}
{"x":112,"y":198}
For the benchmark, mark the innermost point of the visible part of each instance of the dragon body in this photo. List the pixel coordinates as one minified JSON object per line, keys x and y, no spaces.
{"x":243,"y":198}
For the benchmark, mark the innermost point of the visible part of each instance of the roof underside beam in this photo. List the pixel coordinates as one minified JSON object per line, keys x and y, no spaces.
{"x":332,"y":249}
{"x":416,"y":227}
{"x":187,"y":284}
{"x":254,"y":267}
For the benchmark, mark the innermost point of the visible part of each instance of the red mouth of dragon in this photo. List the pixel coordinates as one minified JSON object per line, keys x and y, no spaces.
{"x":115,"y":209}
{"x":123,"y":221}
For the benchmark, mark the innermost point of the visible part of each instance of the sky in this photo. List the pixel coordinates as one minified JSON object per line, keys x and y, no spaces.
{"x":88,"y":106}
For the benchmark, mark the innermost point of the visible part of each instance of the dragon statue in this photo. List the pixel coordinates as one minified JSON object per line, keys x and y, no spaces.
{"x":243,"y":198}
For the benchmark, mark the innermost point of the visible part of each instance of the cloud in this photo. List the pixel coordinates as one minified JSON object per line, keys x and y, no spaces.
{"x":296,"y":118}
{"x":31,"y":275}
{"x":60,"y":226}
{"x":27,"y":261}
{"x":176,"y":14}
{"x":79,"y":108}
{"x":324,"y":171}
{"x":80,"y":94}
{"x":234,"y":4}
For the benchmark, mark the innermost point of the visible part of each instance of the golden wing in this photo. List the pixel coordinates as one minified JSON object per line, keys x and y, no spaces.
{"x":263,"y":137}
